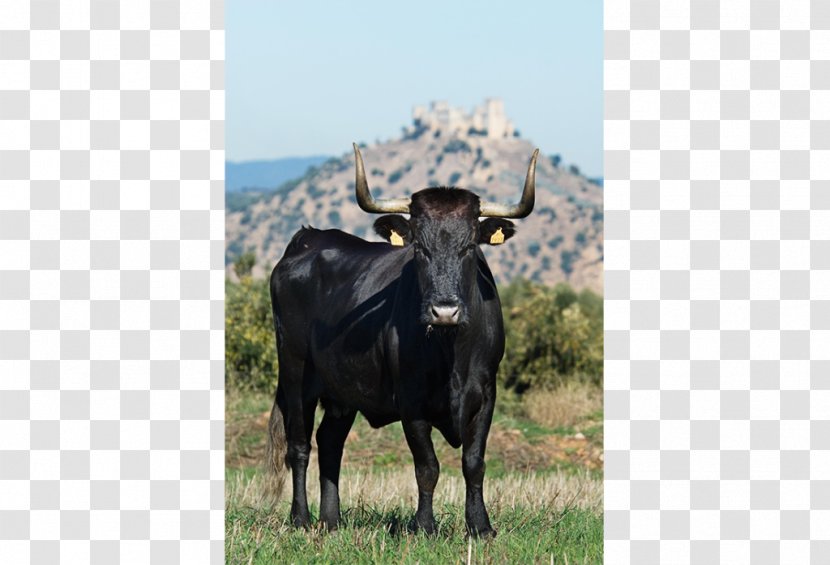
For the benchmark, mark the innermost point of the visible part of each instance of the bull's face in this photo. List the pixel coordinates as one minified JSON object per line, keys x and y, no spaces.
{"x":444,"y":233}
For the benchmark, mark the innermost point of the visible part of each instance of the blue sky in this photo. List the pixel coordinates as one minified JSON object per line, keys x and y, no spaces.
{"x":308,"y":78}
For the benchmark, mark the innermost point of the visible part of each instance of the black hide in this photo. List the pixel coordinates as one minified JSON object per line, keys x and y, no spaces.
{"x":355,"y":332}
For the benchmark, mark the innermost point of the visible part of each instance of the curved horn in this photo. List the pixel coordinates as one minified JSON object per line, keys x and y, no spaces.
{"x":364,"y":197}
{"x":525,"y":205}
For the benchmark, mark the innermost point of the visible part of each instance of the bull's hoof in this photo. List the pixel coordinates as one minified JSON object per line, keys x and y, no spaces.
{"x":301,"y":521}
{"x":426,"y":526}
{"x":484,"y":533}
{"x":329,"y":525}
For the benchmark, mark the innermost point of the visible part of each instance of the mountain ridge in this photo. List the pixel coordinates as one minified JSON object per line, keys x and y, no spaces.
{"x":560,"y":241}
{"x":264,"y":174}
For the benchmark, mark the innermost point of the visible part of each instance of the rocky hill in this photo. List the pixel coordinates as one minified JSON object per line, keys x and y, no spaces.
{"x":560,"y":241}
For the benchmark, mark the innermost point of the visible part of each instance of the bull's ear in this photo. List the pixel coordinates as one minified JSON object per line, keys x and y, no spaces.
{"x":495,"y":231}
{"x":394,"y":229}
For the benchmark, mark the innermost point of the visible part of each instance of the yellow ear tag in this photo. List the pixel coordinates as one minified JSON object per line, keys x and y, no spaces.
{"x":497,"y":237}
{"x":395,"y":239}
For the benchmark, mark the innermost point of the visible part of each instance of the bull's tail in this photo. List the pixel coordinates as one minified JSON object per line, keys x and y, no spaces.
{"x":275,"y":463}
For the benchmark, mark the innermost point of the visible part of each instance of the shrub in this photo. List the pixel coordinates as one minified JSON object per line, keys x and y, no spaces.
{"x":533,"y":248}
{"x":240,"y":201}
{"x":567,"y":261}
{"x":554,"y":243}
{"x":552,"y":335}
{"x":395,"y":176}
{"x":244,"y":264}
{"x":315,"y":192}
{"x":457,"y":146}
{"x":250,"y":346}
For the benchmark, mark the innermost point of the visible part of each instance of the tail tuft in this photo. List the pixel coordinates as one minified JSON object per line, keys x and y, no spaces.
{"x":275,"y":463}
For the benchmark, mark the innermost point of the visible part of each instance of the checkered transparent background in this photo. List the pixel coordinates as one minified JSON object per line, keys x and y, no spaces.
{"x":111,"y":281}
{"x":717,"y":199}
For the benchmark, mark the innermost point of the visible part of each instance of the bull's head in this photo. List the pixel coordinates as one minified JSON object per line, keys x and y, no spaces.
{"x":444,"y":230}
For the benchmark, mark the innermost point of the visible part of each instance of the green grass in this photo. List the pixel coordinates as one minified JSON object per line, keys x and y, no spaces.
{"x":371,"y":536}
{"x":544,"y":506}
{"x":530,"y":430}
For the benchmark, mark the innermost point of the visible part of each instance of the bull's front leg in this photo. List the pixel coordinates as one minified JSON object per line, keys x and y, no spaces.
{"x":477,"y":416}
{"x":417,"y":432}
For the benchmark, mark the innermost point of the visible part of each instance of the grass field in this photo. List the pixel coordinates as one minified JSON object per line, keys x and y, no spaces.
{"x":543,"y":490}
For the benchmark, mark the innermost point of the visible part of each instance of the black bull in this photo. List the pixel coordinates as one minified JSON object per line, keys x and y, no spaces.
{"x":411,"y":331}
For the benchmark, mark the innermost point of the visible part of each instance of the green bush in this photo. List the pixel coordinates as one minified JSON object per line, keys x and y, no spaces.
{"x":250,"y":346}
{"x":552,"y":334}
{"x":244,"y":264}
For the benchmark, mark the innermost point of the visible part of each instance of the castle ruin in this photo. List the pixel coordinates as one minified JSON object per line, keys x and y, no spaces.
{"x":488,"y":119}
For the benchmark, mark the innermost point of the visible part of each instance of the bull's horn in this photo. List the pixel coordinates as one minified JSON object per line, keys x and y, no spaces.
{"x":525,"y":205}
{"x":364,"y":197}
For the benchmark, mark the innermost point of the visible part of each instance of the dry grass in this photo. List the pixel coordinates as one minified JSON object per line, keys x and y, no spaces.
{"x":552,"y":517}
{"x":397,"y":488}
{"x":543,"y":490}
{"x":569,"y":406}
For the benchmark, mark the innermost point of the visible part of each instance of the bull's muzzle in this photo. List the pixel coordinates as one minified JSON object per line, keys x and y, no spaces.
{"x":444,"y":314}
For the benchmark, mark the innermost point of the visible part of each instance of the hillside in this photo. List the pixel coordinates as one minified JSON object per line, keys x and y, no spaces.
{"x":560,"y":241}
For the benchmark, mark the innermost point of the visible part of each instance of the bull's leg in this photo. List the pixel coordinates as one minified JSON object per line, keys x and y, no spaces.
{"x":331,"y":435}
{"x":474,"y":442}
{"x":299,"y":449}
{"x":298,"y":414}
{"x":417,"y":434}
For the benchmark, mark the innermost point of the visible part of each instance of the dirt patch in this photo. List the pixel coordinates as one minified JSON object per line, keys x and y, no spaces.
{"x":372,"y":449}
{"x":519,"y":454}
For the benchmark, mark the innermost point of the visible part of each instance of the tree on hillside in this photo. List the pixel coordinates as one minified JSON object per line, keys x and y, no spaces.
{"x":244,"y":264}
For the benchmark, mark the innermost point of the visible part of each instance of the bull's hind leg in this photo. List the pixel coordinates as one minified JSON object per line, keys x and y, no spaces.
{"x":331,"y":435}
{"x":417,"y":434}
{"x":298,"y":413}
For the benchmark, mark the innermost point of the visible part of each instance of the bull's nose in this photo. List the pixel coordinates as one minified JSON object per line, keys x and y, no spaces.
{"x":444,"y":315}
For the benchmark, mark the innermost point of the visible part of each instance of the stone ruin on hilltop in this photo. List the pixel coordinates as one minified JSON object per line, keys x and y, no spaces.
{"x":486,"y":120}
